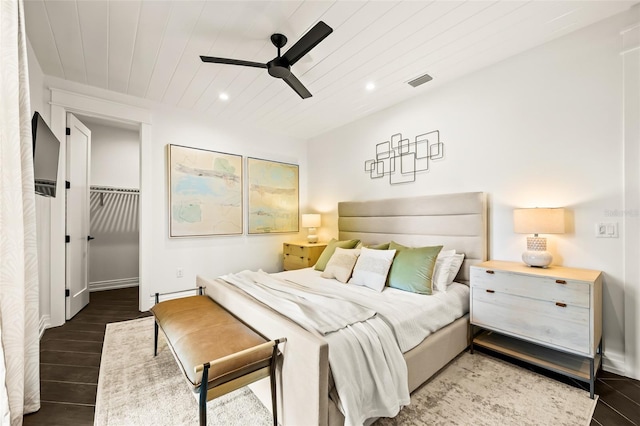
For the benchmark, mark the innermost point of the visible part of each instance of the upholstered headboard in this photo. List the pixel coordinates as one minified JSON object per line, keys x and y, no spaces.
{"x":455,"y":221}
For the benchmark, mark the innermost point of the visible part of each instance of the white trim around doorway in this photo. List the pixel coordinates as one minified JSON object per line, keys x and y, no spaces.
{"x":63,"y":101}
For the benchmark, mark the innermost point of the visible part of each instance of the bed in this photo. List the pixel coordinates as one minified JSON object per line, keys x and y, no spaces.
{"x":455,"y":221}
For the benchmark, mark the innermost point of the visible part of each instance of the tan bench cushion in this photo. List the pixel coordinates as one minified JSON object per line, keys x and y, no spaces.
{"x":199,"y":331}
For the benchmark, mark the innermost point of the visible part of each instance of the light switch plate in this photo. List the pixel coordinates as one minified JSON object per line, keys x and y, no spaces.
{"x":607,"y":230}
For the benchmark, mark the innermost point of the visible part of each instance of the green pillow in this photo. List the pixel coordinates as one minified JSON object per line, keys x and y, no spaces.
{"x":384,"y":246}
{"x":412,"y":268}
{"x":331,"y":247}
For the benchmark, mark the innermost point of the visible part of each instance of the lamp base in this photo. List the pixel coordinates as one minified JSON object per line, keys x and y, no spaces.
{"x":537,"y":258}
{"x":311,"y":235}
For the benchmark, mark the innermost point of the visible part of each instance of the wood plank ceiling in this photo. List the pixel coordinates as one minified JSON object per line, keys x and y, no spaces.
{"x":150,"y":49}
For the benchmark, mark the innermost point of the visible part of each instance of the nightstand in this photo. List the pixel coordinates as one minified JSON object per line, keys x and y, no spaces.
{"x":301,"y":254}
{"x":548,"y":317}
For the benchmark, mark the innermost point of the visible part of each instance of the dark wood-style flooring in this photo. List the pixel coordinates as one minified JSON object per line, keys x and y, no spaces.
{"x":70,"y":359}
{"x":70,"y":362}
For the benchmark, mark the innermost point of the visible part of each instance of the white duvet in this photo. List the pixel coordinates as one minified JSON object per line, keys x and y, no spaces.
{"x":367,"y":332}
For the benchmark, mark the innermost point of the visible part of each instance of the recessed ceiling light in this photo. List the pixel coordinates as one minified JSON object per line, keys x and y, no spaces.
{"x":370,"y":86}
{"x":224,"y":97}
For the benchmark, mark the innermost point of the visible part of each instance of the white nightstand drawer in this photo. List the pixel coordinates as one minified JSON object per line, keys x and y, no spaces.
{"x":537,"y":321}
{"x":571,"y":292}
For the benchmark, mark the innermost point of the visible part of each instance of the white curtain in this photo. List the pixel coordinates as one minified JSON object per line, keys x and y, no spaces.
{"x":19,"y":316}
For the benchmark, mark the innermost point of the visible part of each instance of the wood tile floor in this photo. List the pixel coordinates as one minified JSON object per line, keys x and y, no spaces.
{"x":70,"y":359}
{"x":70,"y":362}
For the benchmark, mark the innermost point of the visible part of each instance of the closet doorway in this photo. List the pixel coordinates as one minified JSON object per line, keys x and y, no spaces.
{"x":113,"y":204}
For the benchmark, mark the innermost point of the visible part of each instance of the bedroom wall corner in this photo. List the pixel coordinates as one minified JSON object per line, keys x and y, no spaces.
{"x":630,"y":52}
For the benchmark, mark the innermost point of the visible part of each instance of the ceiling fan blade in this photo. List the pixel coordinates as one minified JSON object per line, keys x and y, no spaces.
{"x":232,"y":62}
{"x":295,"y":84}
{"x":308,"y":41}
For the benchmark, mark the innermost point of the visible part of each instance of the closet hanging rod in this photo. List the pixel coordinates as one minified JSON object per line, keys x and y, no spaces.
{"x":105,"y":189}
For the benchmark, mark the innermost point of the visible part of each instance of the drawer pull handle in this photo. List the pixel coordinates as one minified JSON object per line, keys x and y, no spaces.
{"x":562,"y":305}
{"x":491,"y":291}
{"x":561,"y":281}
{"x":489,"y":271}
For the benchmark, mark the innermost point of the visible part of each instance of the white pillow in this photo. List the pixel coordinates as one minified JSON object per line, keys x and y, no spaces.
{"x":440,"y":274}
{"x":372,"y":268}
{"x":341,"y":264}
{"x":446,"y":270}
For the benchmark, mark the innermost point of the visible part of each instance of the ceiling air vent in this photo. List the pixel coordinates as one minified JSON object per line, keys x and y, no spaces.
{"x":420,"y":80}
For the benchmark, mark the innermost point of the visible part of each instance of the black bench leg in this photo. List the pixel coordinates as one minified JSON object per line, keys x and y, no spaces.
{"x":155,"y":338}
{"x":155,"y":329}
{"x":272,"y":379}
{"x":204,"y":385}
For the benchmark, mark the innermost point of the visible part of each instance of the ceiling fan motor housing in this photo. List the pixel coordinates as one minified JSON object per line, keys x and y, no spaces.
{"x":279,"y":68}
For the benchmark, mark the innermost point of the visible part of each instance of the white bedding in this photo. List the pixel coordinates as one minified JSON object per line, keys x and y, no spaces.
{"x":413,"y":317}
{"x":366,"y":331}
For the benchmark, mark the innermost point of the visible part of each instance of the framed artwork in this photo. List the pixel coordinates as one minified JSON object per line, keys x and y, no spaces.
{"x":273,"y":196}
{"x":205,"y":192}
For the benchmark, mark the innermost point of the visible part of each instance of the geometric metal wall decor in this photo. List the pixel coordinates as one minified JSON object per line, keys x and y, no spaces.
{"x":401,"y":159}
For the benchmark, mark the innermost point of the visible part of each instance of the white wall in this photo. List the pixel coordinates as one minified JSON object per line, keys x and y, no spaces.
{"x":115,"y":162}
{"x":115,"y":156}
{"x":213,"y":256}
{"x":43,"y":219}
{"x":543,"y":128}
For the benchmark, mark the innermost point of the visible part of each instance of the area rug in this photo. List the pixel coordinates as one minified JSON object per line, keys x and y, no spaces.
{"x":137,"y":389}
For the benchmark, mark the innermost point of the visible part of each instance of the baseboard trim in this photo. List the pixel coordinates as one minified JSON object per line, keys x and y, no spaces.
{"x":113,"y":284}
{"x":613,"y":362}
{"x":45,"y":322}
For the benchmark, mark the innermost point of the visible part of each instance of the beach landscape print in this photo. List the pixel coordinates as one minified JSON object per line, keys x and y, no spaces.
{"x":205,"y":192}
{"x":273,"y":196}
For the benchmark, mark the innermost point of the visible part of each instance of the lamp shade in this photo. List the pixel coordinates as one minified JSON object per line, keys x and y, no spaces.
{"x":311,"y":221}
{"x":539,"y":221}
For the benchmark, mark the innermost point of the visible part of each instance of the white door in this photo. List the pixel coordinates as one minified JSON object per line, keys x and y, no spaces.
{"x":77,"y":216}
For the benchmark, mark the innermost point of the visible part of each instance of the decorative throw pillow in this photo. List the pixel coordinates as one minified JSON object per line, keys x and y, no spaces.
{"x":372,"y":268}
{"x":412,"y":269}
{"x":331,"y":247}
{"x":384,"y":246}
{"x":440,"y":273}
{"x":341,"y":264}
{"x":452,"y":266}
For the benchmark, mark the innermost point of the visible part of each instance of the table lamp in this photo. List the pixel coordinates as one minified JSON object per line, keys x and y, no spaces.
{"x":538,"y":221}
{"x":311,"y":221}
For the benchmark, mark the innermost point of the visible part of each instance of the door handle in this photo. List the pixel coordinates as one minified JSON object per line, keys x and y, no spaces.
{"x":89,"y":238}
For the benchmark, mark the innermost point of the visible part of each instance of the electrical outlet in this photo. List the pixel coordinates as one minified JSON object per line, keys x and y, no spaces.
{"x":179,"y":273}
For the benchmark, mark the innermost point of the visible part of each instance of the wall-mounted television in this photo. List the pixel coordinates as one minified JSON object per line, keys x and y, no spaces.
{"x":46,"y":153}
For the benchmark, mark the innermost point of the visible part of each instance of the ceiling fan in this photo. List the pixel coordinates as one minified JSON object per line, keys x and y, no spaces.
{"x":280,"y":66}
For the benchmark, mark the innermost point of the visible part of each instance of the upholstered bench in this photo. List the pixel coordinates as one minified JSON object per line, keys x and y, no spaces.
{"x":214,"y":348}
